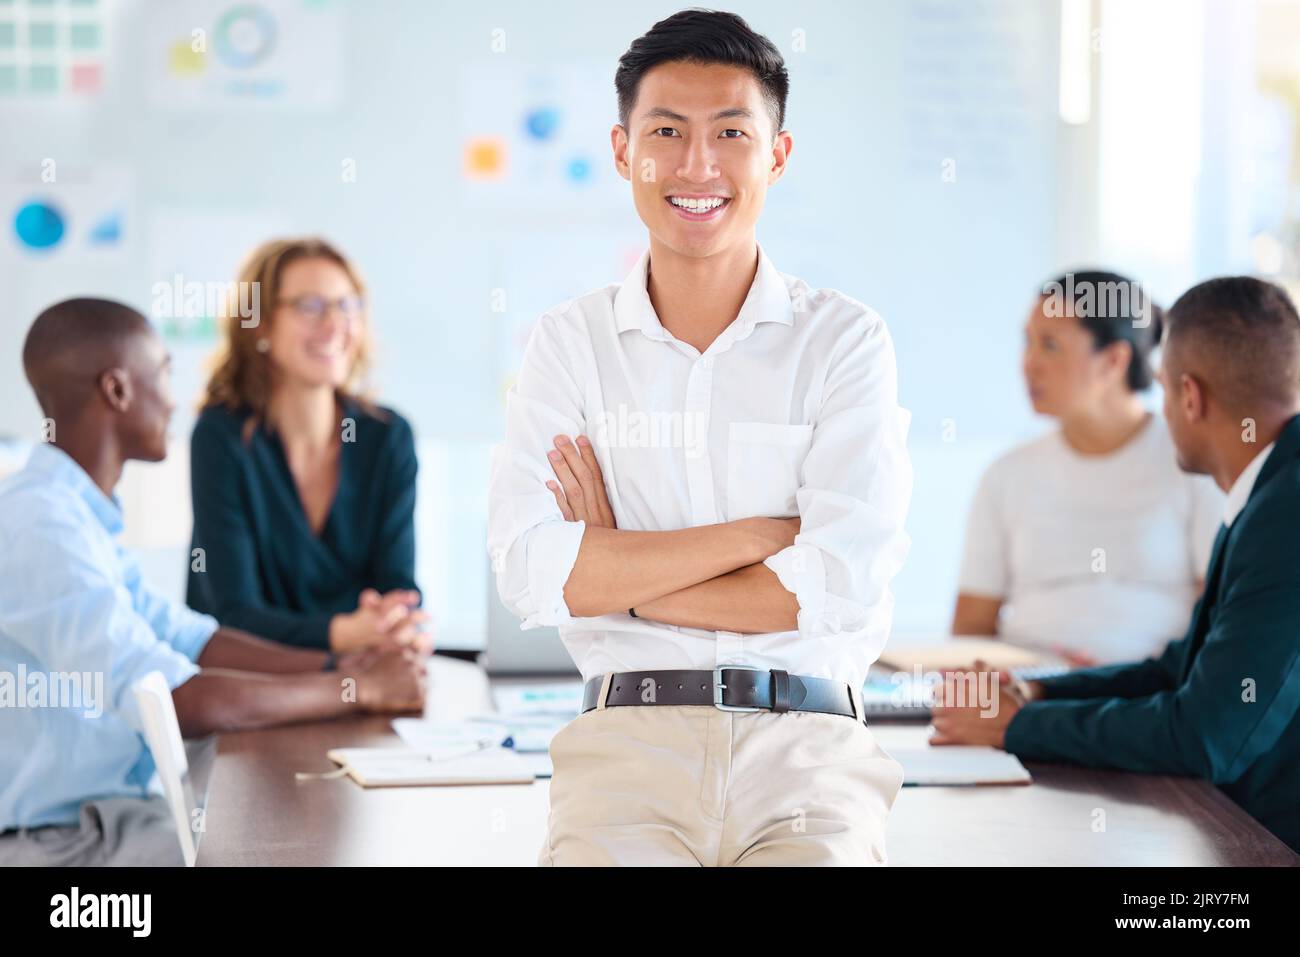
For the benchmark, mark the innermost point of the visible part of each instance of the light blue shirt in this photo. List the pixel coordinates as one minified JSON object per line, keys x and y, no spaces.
{"x":72,"y":602}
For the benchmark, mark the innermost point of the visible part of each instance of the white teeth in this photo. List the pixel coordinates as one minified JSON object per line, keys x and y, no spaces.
{"x":697,"y":205}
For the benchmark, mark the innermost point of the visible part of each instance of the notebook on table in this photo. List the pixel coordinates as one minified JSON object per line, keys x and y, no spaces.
{"x":958,"y":654}
{"x":927,"y":765}
{"x":406,"y":767}
{"x":959,"y":765}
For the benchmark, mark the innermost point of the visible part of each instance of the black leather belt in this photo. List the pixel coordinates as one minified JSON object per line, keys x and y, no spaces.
{"x":729,"y":688}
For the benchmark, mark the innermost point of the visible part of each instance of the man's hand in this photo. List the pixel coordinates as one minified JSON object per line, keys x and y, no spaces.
{"x":388,"y":681}
{"x":1075,"y":659}
{"x":960,"y":721}
{"x":580,"y":489}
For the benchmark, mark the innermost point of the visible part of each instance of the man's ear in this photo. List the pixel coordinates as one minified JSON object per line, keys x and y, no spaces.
{"x":618,"y":140}
{"x":1192,"y":397}
{"x":115,"y":388}
{"x":782,"y":146}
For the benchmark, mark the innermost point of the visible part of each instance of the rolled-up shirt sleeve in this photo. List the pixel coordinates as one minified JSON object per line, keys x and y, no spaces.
{"x":186,"y":630}
{"x":531,"y":546}
{"x":855,"y":487}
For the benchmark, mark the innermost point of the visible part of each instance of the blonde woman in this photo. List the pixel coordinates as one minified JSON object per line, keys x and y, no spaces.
{"x":304,"y":492}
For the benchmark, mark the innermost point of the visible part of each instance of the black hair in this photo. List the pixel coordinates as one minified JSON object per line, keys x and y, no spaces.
{"x":1247,"y":333}
{"x":73,"y":341}
{"x":704,"y":36}
{"x":1113,"y":308}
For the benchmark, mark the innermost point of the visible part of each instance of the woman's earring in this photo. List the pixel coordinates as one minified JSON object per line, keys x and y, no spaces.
{"x":263,"y":345}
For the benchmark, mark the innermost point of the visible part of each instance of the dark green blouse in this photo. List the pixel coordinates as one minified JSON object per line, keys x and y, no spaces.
{"x":263,"y":569}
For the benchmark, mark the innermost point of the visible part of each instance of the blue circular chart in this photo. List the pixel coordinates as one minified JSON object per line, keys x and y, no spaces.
{"x":39,"y":225}
{"x":245,"y":35}
{"x":542,"y":123}
{"x":579,"y":169}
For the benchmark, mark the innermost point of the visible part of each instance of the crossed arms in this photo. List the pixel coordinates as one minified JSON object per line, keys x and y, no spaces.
{"x":558,"y":553}
{"x":709,"y":577}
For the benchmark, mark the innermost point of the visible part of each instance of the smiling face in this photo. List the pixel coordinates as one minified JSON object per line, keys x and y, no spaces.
{"x":700,"y":151}
{"x":1064,"y":370}
{"x":316,"y":332}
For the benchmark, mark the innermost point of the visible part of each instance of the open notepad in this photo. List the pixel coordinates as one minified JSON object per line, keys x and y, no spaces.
{"x":954,"y":765}
{"x":957,"y":654}
{"x":950,"y":766}
{"x":406,"y":767}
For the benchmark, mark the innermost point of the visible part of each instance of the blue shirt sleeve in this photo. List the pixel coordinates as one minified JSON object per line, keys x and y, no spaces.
{"x":65,"y":607}
{"x":184,"y":629}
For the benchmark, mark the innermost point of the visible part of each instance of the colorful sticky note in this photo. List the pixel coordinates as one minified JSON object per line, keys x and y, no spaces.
{"x":84,"y":36}
{"x":86,"y":77}
{"x":42,"y":78}
{"x":183,"y":59}
{"x":484,"y":158}
{"x":41,"y":35}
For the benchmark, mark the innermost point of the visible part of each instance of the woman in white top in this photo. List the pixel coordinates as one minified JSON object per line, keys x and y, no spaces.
{"x":1088,"y":543}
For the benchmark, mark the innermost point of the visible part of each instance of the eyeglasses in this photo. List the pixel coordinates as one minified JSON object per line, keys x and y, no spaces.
{"x":314,"y":308}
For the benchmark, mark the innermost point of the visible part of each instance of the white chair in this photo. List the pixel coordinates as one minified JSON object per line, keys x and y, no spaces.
{"x":162,"y":733}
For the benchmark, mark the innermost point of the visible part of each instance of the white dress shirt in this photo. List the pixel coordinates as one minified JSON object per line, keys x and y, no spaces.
{"x":1244,"y":485}
{"x":792,"y":410}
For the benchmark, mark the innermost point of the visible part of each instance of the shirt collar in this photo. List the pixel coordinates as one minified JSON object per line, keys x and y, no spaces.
{"x":59,"y":468}
{"x":768,"y":301}
{"x":1241,"y":489}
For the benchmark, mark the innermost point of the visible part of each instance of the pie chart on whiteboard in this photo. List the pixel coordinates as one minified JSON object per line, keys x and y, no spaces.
{"x":39,"y":225}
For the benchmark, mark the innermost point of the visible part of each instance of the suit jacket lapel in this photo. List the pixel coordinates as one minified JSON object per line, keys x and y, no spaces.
{"x":1286,"y":446}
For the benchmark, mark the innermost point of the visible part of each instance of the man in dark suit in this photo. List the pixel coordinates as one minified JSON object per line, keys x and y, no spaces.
{"x":1222,"y":703}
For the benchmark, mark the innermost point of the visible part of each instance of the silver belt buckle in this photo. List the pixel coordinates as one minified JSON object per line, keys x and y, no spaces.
{"x":719,"y":687}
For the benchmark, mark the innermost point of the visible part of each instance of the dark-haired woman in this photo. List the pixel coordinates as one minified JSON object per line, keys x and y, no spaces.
{"x":1088,"y":542}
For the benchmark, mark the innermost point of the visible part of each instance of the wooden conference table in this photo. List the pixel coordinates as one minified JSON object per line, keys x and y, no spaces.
{"x":258,"y":814}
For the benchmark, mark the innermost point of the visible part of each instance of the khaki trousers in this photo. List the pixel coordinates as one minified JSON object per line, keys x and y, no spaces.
{"x":692,"y":785}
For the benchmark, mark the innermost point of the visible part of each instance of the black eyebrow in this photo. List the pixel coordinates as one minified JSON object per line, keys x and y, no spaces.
{"x":662,"y":112}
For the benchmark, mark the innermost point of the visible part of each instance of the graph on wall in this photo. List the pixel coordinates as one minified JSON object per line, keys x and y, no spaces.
{"x":536,"y":138}
{"x":66,"y":213}
{"x":535,"y":152}
{"x":51,"y":50}
{"x":217,"y":54}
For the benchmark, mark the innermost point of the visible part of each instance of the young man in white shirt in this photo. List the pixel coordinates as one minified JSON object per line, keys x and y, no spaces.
{"x":703,"y":485}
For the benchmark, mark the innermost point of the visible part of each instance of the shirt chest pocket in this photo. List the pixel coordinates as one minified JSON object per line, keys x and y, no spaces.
{"x":764,"y":462}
